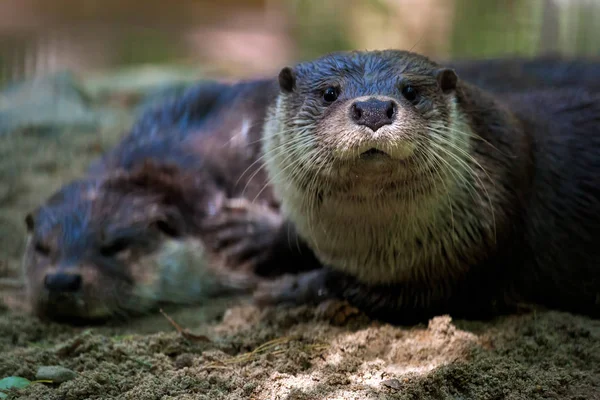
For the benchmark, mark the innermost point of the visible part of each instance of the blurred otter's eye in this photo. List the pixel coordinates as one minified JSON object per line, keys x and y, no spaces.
{"x":330,"y":95}
{"x":410,"y":94}
{"x":41,"y":249}
{"x":114,"y":247}
{"x":166,"y":228}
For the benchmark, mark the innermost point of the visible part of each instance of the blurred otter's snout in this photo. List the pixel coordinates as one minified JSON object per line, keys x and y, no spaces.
{"x":62,"y":282}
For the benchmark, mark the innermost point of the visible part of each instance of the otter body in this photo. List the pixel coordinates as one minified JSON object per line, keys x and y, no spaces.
{"x":510,"y":75}
{"x":129,"y":234}
{"x":184,"y":200}
{"x":423,"y":194}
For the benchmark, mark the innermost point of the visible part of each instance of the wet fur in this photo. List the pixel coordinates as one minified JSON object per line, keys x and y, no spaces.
{"x":184,"y":182}
{"x":510,"y":75}
{"x":175,"y":168}
{"x":485,"y":240}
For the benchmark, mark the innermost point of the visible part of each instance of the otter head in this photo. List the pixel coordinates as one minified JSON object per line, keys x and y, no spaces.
{"x":362,"y":113}
{"x":116,"y":246}
{"x":366,"y":150}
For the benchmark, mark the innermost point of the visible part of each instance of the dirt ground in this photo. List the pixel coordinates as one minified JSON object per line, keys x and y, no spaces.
{"x":266,"y":354}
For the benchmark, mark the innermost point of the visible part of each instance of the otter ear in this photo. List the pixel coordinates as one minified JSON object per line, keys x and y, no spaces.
{"x":177,"y":193}
{"x":29,"y":222}
{"x":287,"y":80}
{"x":166,"y":182}
{"x":447,"y":79}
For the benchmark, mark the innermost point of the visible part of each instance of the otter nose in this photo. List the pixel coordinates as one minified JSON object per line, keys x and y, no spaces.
{"x":373,"y":113}
{"x":61,"y":282}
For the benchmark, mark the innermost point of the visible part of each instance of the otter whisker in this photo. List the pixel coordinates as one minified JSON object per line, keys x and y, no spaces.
{"x":470,"y":170}
{"x":276,"y":176}
{"x":456,"y":173}
{"x":309,"y":175}
{"x":473,"y":135}
{"x":265,"y":154}
{"x":463,"y":152}
{"x":272,"y":153}
{"x":442,"y":137}
{"x":458,"y":178}
{"x":431,"y":158}
{"x":303,"y":174}
{"x":314,"y":182}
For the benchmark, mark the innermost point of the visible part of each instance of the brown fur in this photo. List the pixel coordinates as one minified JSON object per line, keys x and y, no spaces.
{"x":133,"y":229}
{"x":205,"y":185}
{"x":402,"y":243}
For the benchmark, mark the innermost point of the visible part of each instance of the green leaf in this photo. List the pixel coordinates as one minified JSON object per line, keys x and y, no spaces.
{"x":12,"y":382}
{"x":16,"y":382}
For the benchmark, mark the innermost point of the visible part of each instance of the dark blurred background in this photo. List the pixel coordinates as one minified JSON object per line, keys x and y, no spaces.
{"x":245,"y":38}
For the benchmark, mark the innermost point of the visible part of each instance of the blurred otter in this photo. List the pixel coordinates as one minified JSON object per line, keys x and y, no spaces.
{"x":115,"y":245}
{"x":129,"y":235}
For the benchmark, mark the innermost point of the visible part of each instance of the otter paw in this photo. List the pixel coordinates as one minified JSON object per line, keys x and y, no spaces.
{"x":337,"y":312}
{"x":242,"y":232}
{"x":305,"y":288}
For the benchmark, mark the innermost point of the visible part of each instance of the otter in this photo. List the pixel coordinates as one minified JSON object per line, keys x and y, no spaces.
{"x":129,"y":236}
{"x":179,"y":210}
{"x":421,"y":193}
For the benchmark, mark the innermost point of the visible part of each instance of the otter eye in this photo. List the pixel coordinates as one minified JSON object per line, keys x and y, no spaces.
{"x":114,"y":247}
{"x":41,"y":249}
{"x":410,"y":93}
{"x":330,"y":95}
{"x":166,"y":228}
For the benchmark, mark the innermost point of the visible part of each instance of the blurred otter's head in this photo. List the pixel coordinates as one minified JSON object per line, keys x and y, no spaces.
{"x":117,"y":246}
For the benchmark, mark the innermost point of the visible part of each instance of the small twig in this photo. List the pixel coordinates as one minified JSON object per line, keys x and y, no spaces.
{"x":215,"y":366}
{"x":269,"y":347}
{"x":185,"y":332}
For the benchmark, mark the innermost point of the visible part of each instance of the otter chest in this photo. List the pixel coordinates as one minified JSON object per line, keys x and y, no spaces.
{"x":374,"y":242}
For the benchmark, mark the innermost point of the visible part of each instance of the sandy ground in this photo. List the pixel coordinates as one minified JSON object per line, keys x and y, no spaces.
{"x":273,"y":353}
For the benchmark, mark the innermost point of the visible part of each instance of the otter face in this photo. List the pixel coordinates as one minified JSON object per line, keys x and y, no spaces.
{"x":382,"y":115}
{"x":112,"y":247}
{"x":370,"y":157}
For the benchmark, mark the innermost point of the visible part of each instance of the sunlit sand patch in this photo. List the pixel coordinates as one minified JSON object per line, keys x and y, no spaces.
{"x":382,"y":352}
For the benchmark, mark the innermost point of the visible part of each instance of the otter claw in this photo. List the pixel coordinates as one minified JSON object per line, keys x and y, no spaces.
{"x":239,"y":204}
{"x":242,"y":230}
{"x":305,"y":288}
{"x":233,"y":234}
{"x":243,"y":250}
{"x":338,"y":312}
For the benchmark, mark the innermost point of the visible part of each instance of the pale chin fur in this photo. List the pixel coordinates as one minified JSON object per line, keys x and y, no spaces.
{"x":373,"y":234}
{"x":185,"y":275}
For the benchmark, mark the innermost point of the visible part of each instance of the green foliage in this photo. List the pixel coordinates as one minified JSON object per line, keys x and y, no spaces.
{"x":12,"y":382}
{"x":494,"y":27}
